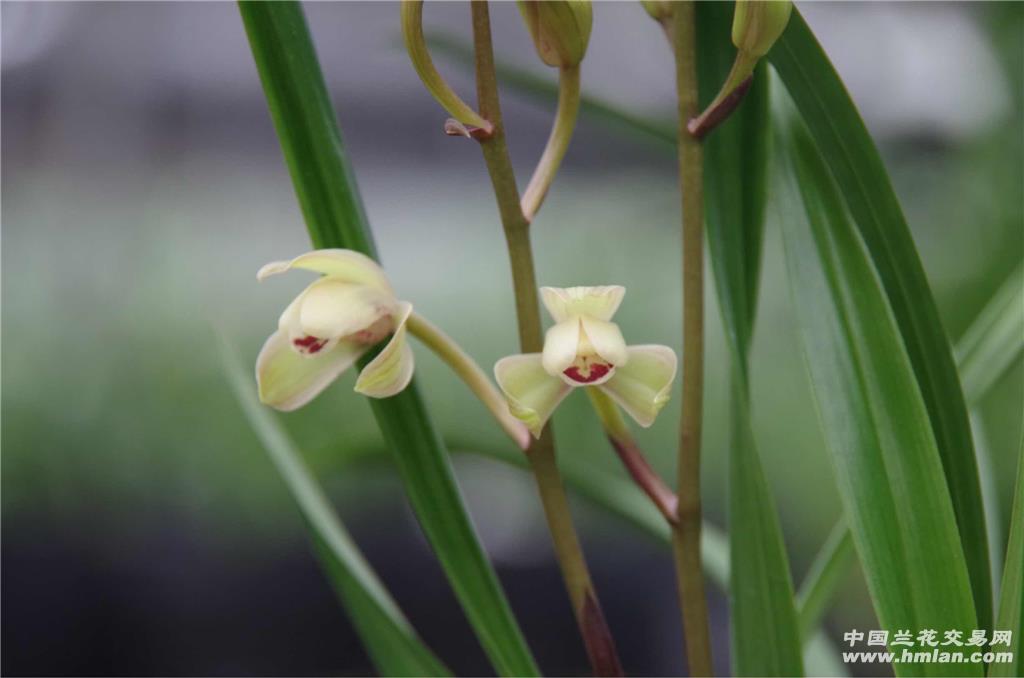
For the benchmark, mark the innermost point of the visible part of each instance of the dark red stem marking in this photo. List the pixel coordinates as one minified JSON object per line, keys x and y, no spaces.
{"x":598,"y":639}
{"x":648,"y":480}
{"x":711,"y":118}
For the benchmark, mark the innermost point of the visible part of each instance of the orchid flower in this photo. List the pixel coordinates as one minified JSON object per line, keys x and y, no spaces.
{"x":334,"y":321}
{"x":585,"y":349}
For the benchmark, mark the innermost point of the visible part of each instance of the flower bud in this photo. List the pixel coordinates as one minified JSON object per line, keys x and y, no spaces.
{"x":660,"y":10}
{"x":560,"y":29}
{"x":757,"y":24}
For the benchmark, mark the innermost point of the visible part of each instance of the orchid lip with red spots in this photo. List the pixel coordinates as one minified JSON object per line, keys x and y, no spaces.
{"x":585,"y":349}
{"x":329,"y":325}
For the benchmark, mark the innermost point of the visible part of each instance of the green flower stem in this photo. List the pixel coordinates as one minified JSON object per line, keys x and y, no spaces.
{"x":541,"y":455}
{"x":619,"y":435}
{"x":416,"y":45}
{"x":466,"y":369}
{"x":686,"y":535}
{"x":558,"y":142}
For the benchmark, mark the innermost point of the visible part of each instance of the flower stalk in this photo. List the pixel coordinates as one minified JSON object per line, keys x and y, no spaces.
{"x":466,"y":369}
{"x":621,"y":439}
{"x":412,"y":32}
{"x":558,"y":141}
{"x":541,"y":454}
{"x":686,"y":537}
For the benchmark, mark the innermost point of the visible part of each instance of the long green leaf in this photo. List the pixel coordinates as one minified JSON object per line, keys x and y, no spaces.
{"x":1011,"y":598}
{"x":392,"y":643}
{"x":851,"y":158}
{"x":993,"y":342}
{"x":327,"y":193}
{"x":763,"y":620}
{"x":875,"y":422}
{"x":995,"y":339}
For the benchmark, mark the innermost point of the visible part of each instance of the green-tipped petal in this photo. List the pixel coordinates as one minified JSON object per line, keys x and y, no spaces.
{"x":532,"y":393}
{"x":332,"y":308}
{"x":391,"y":371}
{"x":561,"y":344}
{"x":606,"y":339}
{"x":345,"y":265}
{"x":288,"y":380}
{"x":597,"y":302}
{"x":641,"y":386}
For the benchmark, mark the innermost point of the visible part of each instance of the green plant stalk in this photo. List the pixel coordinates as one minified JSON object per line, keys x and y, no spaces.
{"x":686,"y":535}
{"x":541,"y":455}
{"x":445,"y":348}
{"x":558,"y":142}
{"x":334,"y":215}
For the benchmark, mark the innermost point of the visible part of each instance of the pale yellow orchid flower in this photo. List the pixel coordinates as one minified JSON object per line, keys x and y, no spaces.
{"x":333,"y":322}
{"x":585,"y":349}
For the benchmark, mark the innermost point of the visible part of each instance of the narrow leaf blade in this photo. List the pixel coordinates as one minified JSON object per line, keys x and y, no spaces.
{"x":1011,"y":598}
{"x":850,"y":156}
{"x":331,"y":204}
{"x":875,"y":423}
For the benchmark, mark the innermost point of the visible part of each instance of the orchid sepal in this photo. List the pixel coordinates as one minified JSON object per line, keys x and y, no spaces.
{"x":331,"y":324}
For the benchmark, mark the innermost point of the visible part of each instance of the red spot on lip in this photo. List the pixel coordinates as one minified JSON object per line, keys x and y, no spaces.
{"x":597,"y":371}
{"x":310,"y":343}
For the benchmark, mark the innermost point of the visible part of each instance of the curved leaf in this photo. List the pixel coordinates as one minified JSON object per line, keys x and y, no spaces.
{"x":850,"y":156}
{"x":331,"y":205}
{"x":872,"y":412}
{"x":390,"y":640}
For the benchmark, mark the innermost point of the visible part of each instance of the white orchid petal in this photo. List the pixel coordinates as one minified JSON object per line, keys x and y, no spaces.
{"x":561,"y":343}
{"x":532,"y":393}
{"x":599,"y":303}
{"x":289,"y":320}
{"x":391,"y":371}
{"x":345,"y":265}
{"x":606,"y":339}
{"x":288,"y":380}
{"x":331,"y":308}
{"x":642,"y":385}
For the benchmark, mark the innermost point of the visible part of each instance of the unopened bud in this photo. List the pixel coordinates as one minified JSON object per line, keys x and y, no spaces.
{"x":560,"y":29}
{"x":660,"y":10}
{"x":757,"y":24}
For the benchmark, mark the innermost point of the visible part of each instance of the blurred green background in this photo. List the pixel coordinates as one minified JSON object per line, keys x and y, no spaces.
{"x":144,"y":530}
